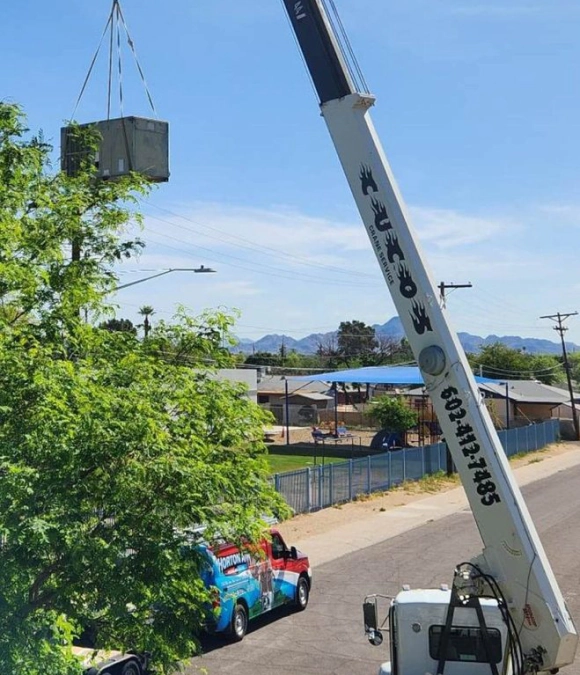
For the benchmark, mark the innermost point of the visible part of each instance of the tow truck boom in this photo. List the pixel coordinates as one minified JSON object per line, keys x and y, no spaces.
{"x":513,"y":556}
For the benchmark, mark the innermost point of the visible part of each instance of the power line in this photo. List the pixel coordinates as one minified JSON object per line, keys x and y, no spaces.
{"x":504,"y":371}
{"x":251,"y":245}
{"x":559,"y":318}
{"x":443,"y":287}
{"x":289,"y":274}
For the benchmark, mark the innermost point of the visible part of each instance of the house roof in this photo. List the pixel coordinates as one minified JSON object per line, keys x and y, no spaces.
{"x":311,"y":395}
{"x":276,"y":384}
{"x":530,"y":391}
{"x":521,"y":391}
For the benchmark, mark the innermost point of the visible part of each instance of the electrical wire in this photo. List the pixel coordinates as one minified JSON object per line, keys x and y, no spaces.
{"x":252,"y":245}
{"x":481,"y":310}
{"x":260,"y":270}
{"x":504,"y":371}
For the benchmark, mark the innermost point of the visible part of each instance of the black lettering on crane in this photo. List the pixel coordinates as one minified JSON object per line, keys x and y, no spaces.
{"x":368,"y":183}
{"x":382,"y":221}
{"x":407,"y":286}
{"x":393,"y":247}
{"x":421,"y":321}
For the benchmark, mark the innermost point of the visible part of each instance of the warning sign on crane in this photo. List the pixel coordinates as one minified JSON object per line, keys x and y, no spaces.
{"x":127,"y":143}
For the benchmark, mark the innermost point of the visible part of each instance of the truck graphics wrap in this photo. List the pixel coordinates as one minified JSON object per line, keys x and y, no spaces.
{"x":261,"y":578}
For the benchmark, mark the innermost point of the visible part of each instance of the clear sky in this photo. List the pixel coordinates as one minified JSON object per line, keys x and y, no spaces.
{"x":478,"y":108}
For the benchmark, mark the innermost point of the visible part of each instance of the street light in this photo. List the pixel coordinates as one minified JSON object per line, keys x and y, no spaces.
{"x":197,"y":270}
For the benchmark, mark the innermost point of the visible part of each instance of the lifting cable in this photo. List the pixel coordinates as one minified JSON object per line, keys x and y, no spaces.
{"x":351,"y":61}
{"x":115,"y":20}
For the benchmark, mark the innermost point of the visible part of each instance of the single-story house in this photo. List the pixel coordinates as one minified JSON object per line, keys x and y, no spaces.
{"x":528,"y":401}
{"x":514,"y":402}
{"x":305,"y":400}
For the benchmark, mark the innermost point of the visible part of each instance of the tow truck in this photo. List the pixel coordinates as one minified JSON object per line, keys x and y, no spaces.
{"x":504,"y":612}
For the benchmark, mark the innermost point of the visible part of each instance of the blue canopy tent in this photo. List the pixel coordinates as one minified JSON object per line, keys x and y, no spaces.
{"x":393,"y":375}
{"x":396,"y":375}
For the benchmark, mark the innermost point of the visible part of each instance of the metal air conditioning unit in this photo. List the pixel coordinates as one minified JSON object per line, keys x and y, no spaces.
{"x":127,"y":144}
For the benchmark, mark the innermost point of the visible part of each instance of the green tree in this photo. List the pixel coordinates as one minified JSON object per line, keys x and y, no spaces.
{"x":403,"y":353}
{"x":294,"y":360}
{"x":392,"y":413}
{"x":110,"y":447}
{"x":386,"y":351}
{"x":328,"y":352}
{"x":283,"y":353}
{"x":356,"y":342}
{"x":547,"y":368}
{"x":122,"y":325}
{"x":146,"y":311}
{"x":574,"y":361}
{"x":263,"y":359}
{"x":498,"y":361}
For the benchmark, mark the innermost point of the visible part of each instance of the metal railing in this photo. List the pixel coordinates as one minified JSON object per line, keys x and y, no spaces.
{"x":321,"y":486}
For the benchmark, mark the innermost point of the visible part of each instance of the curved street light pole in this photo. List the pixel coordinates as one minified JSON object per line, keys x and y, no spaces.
{"x":197,"y":270}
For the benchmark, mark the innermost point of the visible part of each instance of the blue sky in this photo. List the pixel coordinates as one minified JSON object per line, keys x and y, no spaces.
{"x":478,"y":108}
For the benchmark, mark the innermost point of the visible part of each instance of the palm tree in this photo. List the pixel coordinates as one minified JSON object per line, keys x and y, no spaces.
{"x":146,"y":311}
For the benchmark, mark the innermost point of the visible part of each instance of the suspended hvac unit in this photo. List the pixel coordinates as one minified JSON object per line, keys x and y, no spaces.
{"x":126,"y":144}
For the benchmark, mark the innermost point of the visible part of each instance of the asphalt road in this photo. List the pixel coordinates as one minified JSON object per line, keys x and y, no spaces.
{"x":328,"y":639}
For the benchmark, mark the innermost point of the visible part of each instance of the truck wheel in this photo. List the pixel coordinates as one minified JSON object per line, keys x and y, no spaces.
{"x":302,"y":594}
{"x":131,"y":668}
{"x":239,"y":625}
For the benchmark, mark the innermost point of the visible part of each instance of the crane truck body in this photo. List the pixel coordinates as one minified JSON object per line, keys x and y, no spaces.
{"x":509,"y":591}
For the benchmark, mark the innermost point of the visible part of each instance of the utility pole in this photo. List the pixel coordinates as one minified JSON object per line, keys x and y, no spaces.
{"x":442,"y":288}
{"x":561,"y":329}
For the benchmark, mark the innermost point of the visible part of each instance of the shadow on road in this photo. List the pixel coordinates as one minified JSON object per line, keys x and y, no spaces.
{"x":210,"y":643}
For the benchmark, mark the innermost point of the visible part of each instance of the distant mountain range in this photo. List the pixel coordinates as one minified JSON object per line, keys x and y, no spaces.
{"x":394,"y":329}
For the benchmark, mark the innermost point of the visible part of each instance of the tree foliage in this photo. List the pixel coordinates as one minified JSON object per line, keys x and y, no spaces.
{"x":574,"y":361}
{"x":500,"y":362}
{"x":356,"y":342}
{"x":122,"y":325}
{"x":110,"y":447}
{"x":392,"y":413}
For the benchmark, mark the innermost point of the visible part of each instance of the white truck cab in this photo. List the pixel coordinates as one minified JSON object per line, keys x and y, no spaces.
{"x":417,"y":620}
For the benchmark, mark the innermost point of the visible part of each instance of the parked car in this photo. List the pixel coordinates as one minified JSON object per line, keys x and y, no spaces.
{"x":248,"y":582}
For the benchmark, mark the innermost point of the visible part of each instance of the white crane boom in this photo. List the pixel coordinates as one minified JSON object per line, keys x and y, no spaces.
{"x":513,"y":553}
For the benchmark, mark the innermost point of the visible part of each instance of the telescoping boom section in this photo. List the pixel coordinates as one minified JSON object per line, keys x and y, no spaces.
{"x":513,"y":555}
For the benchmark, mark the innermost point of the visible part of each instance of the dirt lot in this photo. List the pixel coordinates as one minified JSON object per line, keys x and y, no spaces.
{"x":324,"y":521}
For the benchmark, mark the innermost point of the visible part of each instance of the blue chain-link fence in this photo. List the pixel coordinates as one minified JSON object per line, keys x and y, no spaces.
{"x":321,"y":486}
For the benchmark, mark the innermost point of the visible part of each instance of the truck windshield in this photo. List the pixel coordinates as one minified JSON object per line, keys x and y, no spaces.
{"x":466,"y":644}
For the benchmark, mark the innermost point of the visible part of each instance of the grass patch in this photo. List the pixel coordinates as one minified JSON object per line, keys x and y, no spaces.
{"x":291,"y":462}
{"x":291,"y":458}
{"x":431,"y":483}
